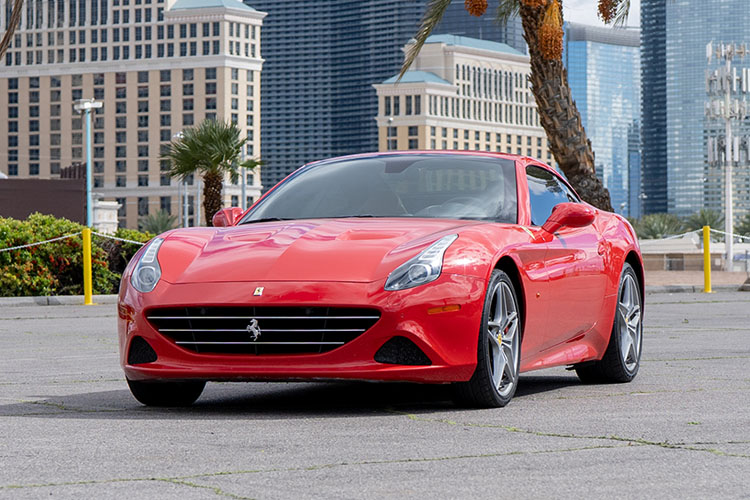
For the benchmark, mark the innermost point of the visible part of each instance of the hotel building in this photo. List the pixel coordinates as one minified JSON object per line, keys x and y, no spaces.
{"x":462,"y":94}
{"x":158,"y":67}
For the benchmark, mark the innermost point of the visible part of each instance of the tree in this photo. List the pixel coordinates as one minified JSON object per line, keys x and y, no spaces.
{"x":13,"y":22}
{"x":157,"y":223}
{"x":743,"y":226}
{"x":542,"y":25}
{"x":213,"y":149}
{"x":655,"y":226}
{"x":705,"y":217}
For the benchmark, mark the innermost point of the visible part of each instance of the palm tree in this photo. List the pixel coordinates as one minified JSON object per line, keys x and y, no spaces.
{"x":13,"y":22}
{"x":542,"y":25}
{"x":213,"y":148}
{"x":705,"y":217}
{"x":743,"y":226}
{"x":158,"y":223}
{"x":656,"y":226}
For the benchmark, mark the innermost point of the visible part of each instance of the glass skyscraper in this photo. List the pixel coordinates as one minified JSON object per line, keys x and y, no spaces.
{"x":686,"y":27}
{"x":654,"y":104}
{"x":604,"y":76}
{"x":321,"y":59}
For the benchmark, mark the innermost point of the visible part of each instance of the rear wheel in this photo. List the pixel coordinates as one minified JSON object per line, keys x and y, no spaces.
{"x":178,"y":393}
{"x":499,"y":351}
{"x":622,"y":358}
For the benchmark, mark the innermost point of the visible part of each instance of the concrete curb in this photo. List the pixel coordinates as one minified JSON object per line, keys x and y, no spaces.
{"x":77,"y":300}
{"x":62,"y":300}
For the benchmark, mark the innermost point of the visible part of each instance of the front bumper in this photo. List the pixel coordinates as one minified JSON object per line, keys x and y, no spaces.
{"x":449,"y":339}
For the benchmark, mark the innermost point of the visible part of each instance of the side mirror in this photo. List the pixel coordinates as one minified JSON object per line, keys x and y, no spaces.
{"x":226,"y":217}
{"x":570,"y":215}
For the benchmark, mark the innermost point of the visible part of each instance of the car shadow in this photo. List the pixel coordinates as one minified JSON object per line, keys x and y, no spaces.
{"x":277,"y":400}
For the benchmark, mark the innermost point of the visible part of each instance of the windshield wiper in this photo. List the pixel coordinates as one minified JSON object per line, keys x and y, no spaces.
{"x":267,"y":219}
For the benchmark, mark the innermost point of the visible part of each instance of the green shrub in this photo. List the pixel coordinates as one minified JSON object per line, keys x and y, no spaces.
{"x":56,"y":268}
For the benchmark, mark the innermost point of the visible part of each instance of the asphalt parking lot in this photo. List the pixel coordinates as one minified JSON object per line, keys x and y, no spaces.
{"x":70,"y":429}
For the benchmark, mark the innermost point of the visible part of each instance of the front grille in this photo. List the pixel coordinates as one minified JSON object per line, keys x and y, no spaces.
{"x":261,"y":330}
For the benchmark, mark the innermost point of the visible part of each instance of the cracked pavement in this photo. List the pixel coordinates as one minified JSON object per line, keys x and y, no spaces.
{"x":70,"y":429}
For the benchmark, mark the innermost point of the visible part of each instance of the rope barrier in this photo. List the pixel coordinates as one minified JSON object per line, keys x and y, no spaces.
{"x":118,"y":239}
{"x":19,"y":247}
{"x":732,"y":235}
{"x":681,"y":235}
{"x":39,"y":242}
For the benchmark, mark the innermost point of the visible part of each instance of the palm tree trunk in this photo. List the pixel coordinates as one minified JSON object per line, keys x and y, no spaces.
{"x":212,"y":182}
{"x":15,"y":19}
{"x":560,"y":117}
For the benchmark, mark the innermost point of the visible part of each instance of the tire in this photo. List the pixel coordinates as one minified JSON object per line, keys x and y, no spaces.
{"x":622,"y":358}
{"x":495,"y":378}
{"x":166,"y":394}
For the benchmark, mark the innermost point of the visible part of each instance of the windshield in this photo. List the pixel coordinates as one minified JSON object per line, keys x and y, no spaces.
{"x":434,"y":186}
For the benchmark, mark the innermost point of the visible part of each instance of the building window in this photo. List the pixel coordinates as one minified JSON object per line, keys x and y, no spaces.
{"x":142,"y":206}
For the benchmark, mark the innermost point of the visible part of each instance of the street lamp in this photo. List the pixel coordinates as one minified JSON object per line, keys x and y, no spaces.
{"x":178,"y":136}
{"x":85,"y":106}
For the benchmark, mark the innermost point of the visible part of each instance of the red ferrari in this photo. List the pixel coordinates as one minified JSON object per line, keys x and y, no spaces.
{"x":437,"y":267}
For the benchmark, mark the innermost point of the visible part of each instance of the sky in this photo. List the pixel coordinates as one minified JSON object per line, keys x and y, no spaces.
{"x":585,"y":12}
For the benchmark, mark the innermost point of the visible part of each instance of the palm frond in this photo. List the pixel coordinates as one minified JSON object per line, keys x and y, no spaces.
{"x":621,"y":16}
{"x":434,"y":13}
{"x":506,"y":10}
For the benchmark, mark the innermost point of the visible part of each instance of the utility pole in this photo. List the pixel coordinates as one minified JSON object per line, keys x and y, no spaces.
{"x":721,"y":83}
{"x":85,"y":106}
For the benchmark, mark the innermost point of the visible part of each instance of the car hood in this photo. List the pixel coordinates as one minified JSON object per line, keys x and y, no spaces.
{"x":353,"y":250}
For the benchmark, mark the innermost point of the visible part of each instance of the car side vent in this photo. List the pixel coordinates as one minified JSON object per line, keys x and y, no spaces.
{"x":140,"y":352}
{"x":401,"y":351}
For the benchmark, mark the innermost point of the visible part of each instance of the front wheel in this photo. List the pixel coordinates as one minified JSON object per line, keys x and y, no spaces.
{"x":499,"y":351}
{"x":622,"y":358}
{"x":166,"y":394}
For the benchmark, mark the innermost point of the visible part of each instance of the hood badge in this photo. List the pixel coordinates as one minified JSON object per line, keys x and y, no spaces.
{"x":258,"y":291}
{"x":253,"y":329}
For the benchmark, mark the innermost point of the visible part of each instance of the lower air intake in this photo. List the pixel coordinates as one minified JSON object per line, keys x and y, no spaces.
{"x":140,"y":352}
{"x":401,"y":351}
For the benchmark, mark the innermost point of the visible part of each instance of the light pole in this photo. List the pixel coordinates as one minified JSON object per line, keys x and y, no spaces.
{"x":85,"y":106}
{"x":178,"y":136}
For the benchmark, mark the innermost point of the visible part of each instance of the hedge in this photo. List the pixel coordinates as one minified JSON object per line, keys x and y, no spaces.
{"x":56,"y":268}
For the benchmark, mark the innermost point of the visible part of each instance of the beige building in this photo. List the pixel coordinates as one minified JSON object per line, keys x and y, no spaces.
{"x":158,"y":66}
{"x":462,"y":94}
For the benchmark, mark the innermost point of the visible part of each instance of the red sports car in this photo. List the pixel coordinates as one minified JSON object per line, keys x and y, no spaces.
{"x":439,"y":267}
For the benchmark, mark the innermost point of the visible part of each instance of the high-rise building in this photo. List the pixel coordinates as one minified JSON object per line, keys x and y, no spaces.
{"x":654,"y":105}
{"x":456,"y":21}
{"x":321,"y":59}
{"x":157,"y":66}
{"x":462,"y":94}
{"x":675,"y":131}
{"x":604,"y":76}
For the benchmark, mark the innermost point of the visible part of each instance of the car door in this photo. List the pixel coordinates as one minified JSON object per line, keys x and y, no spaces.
{"x":573,"y":263}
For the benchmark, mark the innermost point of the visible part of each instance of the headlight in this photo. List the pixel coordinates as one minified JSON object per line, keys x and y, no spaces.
{"x":422,"y":269}
{"x":147,"y":272}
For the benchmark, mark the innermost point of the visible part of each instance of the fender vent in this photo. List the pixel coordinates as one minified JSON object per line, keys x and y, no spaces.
{"x":140,"y":352}
{"x":401,"y":351}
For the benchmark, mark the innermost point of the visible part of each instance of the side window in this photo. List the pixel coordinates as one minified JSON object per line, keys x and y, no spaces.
{"x":545,"y":192}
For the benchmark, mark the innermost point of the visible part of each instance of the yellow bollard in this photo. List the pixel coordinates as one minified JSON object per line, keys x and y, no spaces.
{"x":87,"y":267}
{"x":706,"y":259}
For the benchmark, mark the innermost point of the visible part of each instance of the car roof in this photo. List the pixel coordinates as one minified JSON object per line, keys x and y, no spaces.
{"x":488,"y":154}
